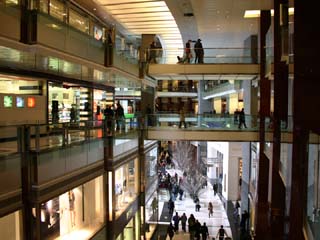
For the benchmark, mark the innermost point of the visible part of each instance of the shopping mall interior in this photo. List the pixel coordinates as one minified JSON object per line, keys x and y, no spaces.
{"x":142,"y":119}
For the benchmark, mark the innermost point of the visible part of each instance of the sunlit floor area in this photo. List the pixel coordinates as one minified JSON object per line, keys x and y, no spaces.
{"x":187,"y":206}
{"x":81,"y":234}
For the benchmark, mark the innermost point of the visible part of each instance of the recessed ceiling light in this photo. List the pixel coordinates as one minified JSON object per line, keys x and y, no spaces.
{"x":256,"y":13}
{"x":94,"y":9}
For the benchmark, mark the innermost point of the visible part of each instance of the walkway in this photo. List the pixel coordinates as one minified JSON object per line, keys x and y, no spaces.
{"x":186,"y":205}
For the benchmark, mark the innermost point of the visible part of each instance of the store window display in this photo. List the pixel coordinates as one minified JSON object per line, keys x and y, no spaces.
{"x":64,"y":103}
{"x":71,"y":208}
{"x":80,"y":209}
{"x":126,"y":186}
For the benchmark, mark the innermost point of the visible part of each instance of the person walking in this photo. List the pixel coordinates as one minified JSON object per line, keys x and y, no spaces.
{"x":243,"y":222}
{"x":191,"y":223}
{"x":198,"y":206}
{"x":221,"y":233}
{"x":204,"y":231}
{"x":108,"y":116}
{"x":215,"y":188}
{"x":182,"y":119}
{"x":183,"y":220}
{"x":242,"y":119}
{"x":198,"y":49}
{"x":154,"y":205}
{"x":197,"y":227}
{"x":120,"y":117}
{"x":176,"y":219}
{"x":170,"y":231}
{"x":171,"y":206}
{"x":210,"y":209}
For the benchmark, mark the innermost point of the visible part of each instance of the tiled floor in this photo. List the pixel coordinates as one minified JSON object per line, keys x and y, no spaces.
{"x":186,"y":205}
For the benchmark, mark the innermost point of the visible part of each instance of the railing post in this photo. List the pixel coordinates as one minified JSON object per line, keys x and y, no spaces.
{"x":37,"y":140}
{"x":24,"y":149}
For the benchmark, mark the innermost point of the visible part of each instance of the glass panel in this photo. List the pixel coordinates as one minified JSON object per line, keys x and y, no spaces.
{"x":79,"y":210}
{"x":78,"y":21}
{"x":313,"y":202}
{"x":11,"y":226}
{"x":12,"y":2}
{"x":126,"y":186}
{"x":44,"y":6}
{"x":10,"y":159}
{"x":57,"y":10}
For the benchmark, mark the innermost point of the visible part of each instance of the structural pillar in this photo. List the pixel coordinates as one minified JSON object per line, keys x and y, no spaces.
{"x":203,"y":105}
{"x":262,"y":205}
{"x":280,"y":113}
{"x":306,"y":100}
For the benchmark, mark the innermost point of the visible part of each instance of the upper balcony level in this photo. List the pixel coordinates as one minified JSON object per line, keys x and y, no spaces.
{"x":216,"y":61}
{"x":215,"y":127}
{"x":63,"y":47}
{"x":60,"y":152}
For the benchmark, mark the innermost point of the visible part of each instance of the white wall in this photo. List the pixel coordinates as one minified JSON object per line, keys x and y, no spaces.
{"x":222,"y":147}
{"x":235,"y":152}
{"x":217,"y":105}
{"x":10,"y":226}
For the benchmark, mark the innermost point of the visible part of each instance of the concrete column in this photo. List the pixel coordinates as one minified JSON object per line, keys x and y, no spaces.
{"x":306,"y":100}
{"x":262,"y":204}
{"x":245,"y":176}
{"x":204,"y":105}
{"x":250,"y":98}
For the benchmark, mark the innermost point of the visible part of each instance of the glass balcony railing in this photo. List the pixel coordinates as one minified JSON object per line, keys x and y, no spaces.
{"x":188,"y":89}
{"x":35,"y":61}
{"x":10,"y":159}
{"x":58,"y":149}
{"x":58,"y":35}
{"x":10,"y":19}
{"x":221,"y":122}
{"x":211,"y":55}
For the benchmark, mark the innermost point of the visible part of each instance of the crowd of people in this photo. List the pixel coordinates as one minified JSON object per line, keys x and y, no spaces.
{"x":196,"y":230}
{"x":112,"y":116}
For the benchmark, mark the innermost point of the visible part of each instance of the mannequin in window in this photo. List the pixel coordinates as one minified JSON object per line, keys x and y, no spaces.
{"x":71,"y":208}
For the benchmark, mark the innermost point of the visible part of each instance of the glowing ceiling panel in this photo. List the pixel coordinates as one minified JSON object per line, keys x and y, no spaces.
{"x":147,"y":17}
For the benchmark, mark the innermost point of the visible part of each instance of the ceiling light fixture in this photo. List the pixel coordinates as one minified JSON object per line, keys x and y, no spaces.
{"x":256,"y":13}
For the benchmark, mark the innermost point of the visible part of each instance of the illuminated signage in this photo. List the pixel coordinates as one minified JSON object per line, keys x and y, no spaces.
{"x":31,"y":102}
{"x":19,"y":102}
{"x":97,"y":33}
{"x":7,"y":101}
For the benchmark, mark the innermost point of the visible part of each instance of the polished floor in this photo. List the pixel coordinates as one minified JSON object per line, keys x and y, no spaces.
{"x":186,"y":205}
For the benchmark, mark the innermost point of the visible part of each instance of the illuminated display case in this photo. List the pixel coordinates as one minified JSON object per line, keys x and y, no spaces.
{"x":8,"y":101}
{"x":79,"y":211}
{"x":126,"y":186}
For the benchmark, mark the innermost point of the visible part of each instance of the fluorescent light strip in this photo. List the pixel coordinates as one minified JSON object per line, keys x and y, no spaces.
{"x":152,"y":28}
{"x":219,"y":94}
{"x":143,"y":14}
{"x":144,"y":23}
{"x":139,"y":10}
{"x":256,"y":13}
{"x":123,"y":2}
{"x":143,"y":18}
{"x":136,"y":5}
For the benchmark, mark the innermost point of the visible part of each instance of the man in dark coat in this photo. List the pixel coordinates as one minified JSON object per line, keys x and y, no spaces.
{"x":198,"y":49}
